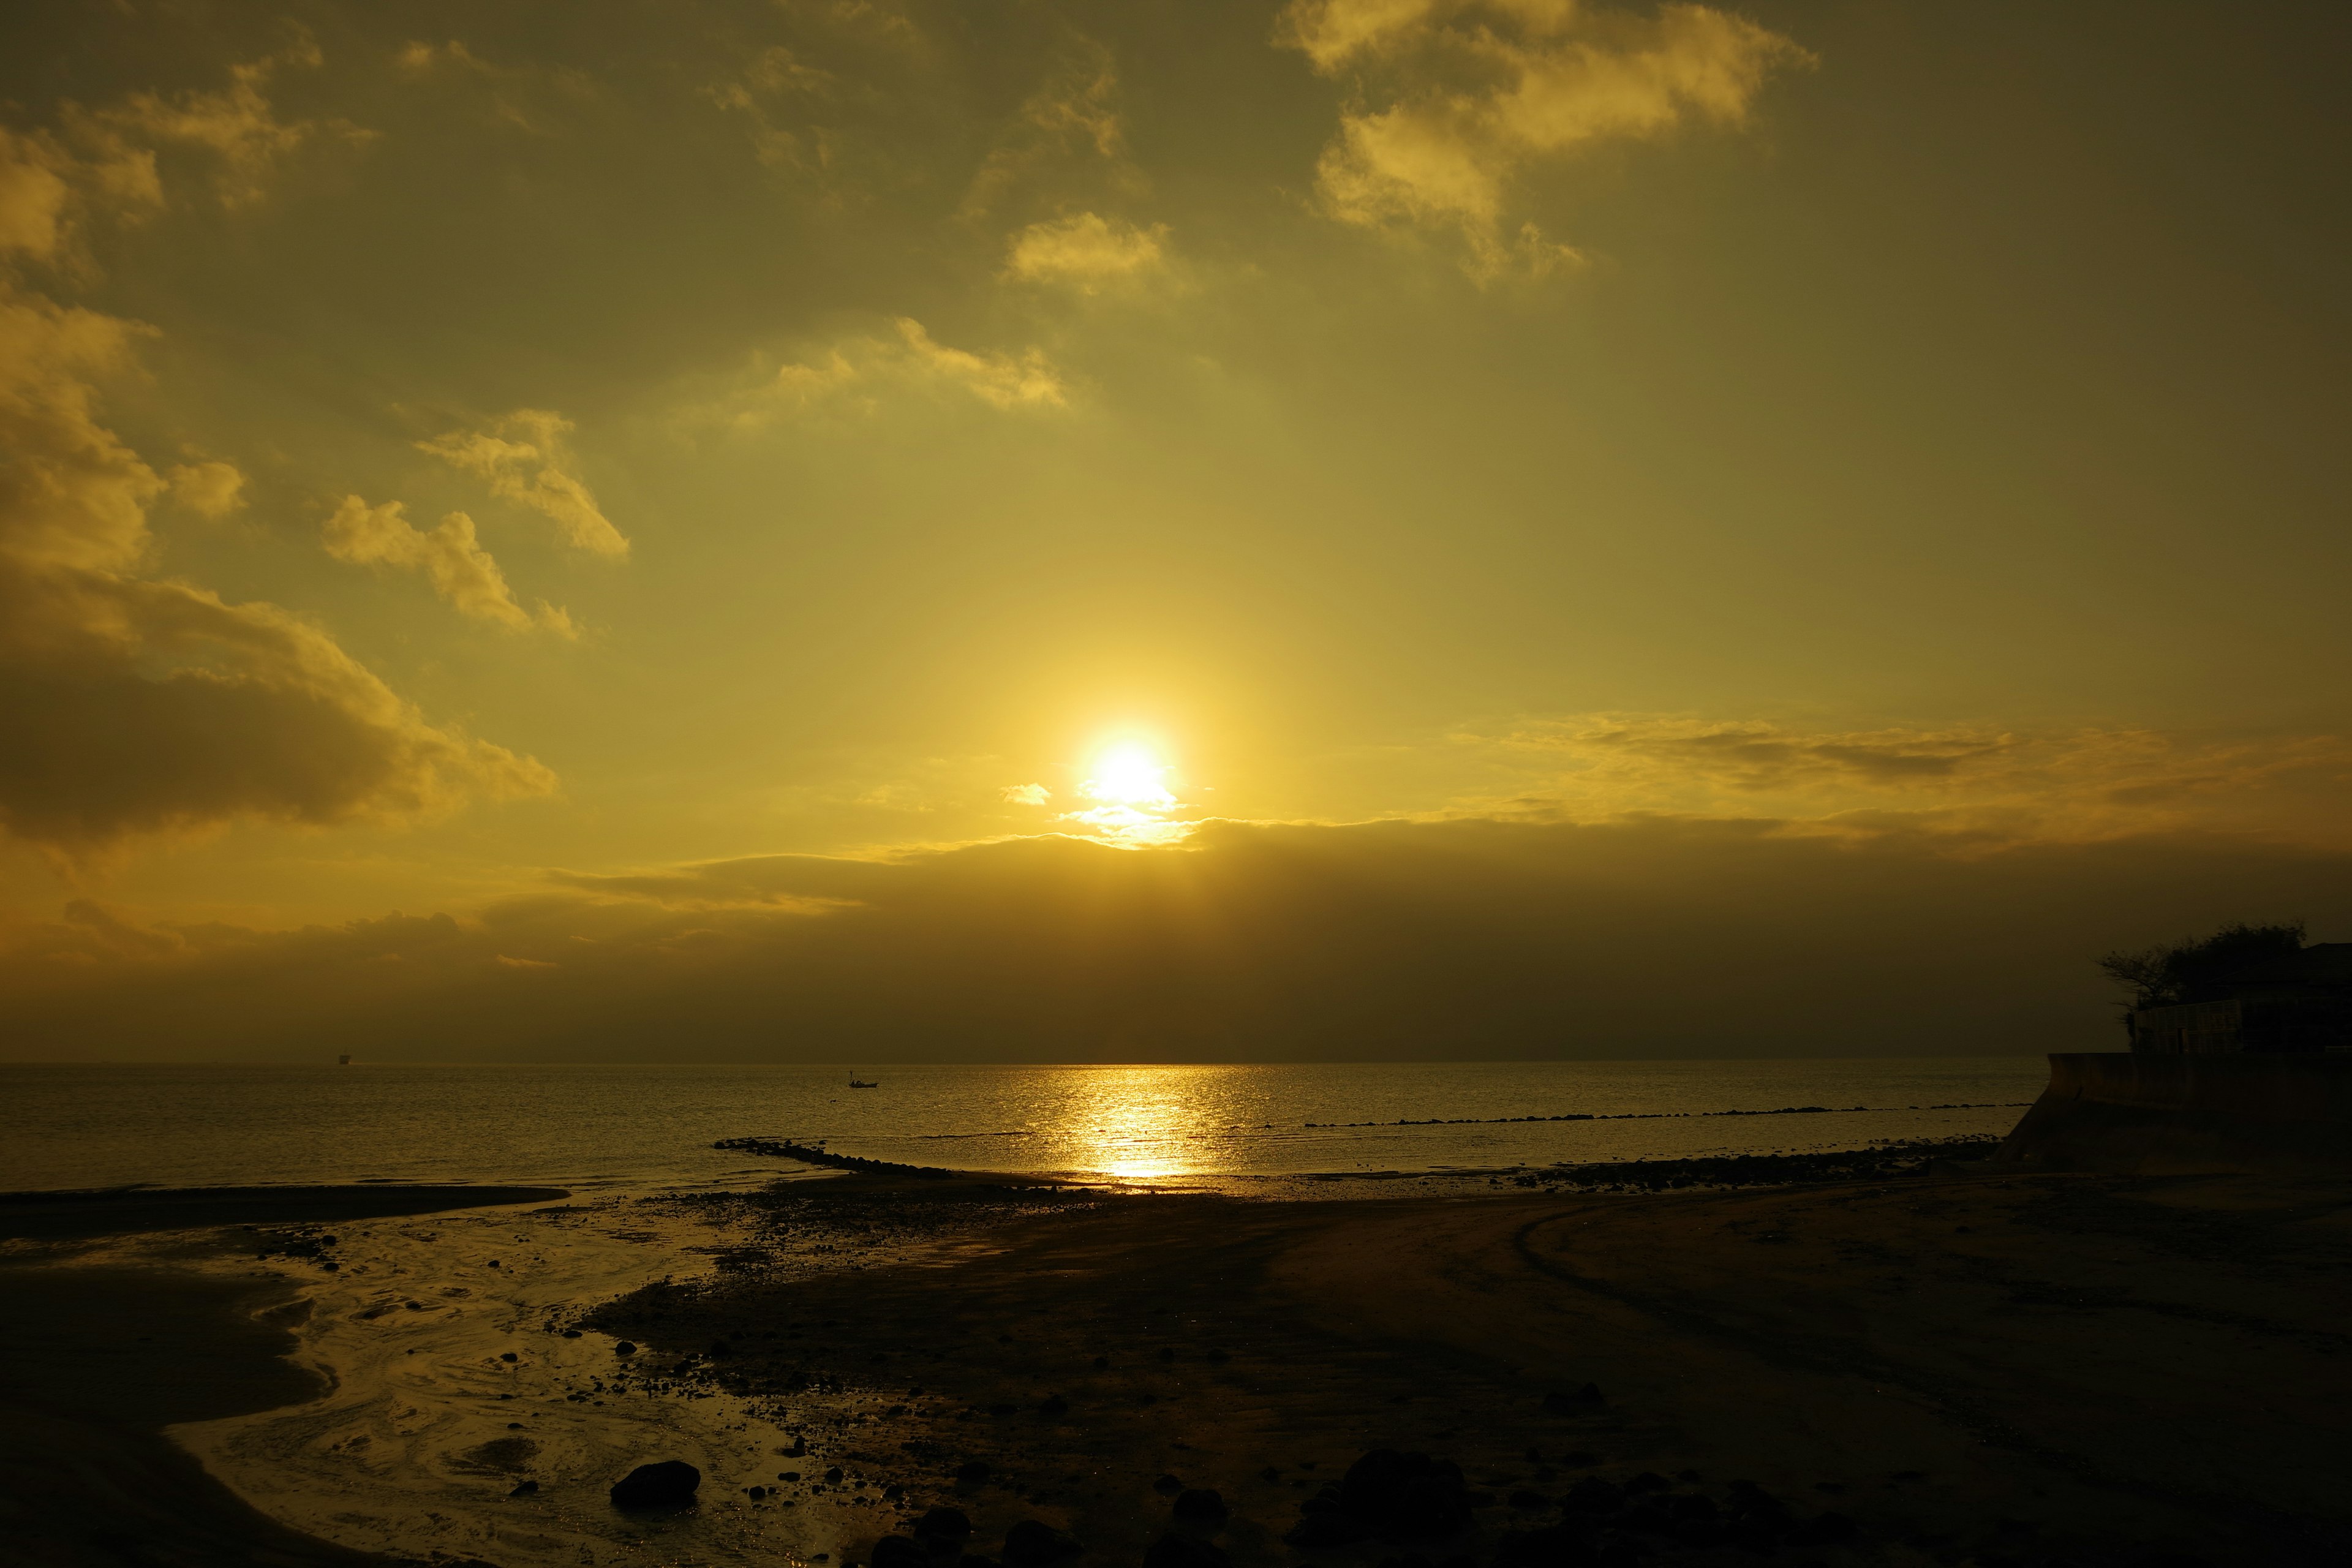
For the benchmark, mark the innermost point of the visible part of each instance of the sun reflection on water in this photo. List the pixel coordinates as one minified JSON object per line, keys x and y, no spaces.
{"x":1143,"y":1123}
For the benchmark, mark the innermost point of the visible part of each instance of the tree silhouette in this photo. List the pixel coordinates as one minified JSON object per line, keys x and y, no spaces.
{"x":2194,"y":970}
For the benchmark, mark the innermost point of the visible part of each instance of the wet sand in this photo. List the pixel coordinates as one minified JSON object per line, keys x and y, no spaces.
{"x":2010,"y":1369}
{"x":97,"y":1357}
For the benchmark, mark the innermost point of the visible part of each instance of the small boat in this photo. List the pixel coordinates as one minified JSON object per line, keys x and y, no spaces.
{"x":856,"y":1083}
{"x":344,"y":1060}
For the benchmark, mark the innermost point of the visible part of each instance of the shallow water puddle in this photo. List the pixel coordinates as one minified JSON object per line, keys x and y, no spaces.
{"x":452,"y":1382}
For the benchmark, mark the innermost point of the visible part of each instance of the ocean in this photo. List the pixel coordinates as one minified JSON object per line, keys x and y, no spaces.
{"x":1234,"y":1127}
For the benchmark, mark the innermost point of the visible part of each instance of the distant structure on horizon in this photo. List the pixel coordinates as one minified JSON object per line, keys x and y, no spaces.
{"x":2267,"y":1003}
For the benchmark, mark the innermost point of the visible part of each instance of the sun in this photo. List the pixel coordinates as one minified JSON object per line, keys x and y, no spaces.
{"x":1130,"y":773}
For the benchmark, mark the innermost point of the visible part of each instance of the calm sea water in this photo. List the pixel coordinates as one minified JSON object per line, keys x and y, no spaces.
{"x":629,"y":1126}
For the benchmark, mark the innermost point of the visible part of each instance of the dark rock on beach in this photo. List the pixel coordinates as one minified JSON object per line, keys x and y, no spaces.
{"x":1572,"y":1401}
{"x":1387,"y":1494}
{"x":1200,"y":1509}
{"x":1175,"y":1551}
{"x":669,"y":1483}
{"x":1033,"y":1543}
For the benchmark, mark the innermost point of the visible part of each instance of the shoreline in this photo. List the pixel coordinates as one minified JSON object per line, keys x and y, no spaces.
{"x":2019,"y":1367}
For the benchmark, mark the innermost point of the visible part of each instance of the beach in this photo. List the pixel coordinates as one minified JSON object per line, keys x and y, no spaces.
{"x":1909,"y":1368}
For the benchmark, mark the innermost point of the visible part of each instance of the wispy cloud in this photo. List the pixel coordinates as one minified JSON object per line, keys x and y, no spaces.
{"x":523,"y":458}
{"x":210,"y":489}
{"x":1459,"y":99}
{"x":1086,"y":252}
{"x":1072,"y":117}
{"x":1991,"y":784}
{"x":859,"y":374}
{"x":139,"y":706}
{"x":238,"y":125}
{"x":449,"y":555}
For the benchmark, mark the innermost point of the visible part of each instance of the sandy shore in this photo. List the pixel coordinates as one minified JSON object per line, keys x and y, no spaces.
{"x":2021,"y":1369}
{"x":124,"y":1313}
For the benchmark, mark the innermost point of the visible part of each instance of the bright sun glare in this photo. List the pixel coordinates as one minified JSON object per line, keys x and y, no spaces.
{"x":1130,"y":774}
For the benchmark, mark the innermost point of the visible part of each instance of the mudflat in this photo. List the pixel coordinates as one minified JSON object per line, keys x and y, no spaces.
{"x":2027,"y":1368}
{"x":96,"y":1361}
{"x":1986,"y":1369}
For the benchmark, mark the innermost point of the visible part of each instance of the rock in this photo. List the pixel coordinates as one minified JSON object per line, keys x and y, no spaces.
{"x":1200,"y":1508}
{"x":1559,"y":1546}
{"x":1169,"y":1485}
{"x":524,"y":1488}
{"x":972,"y":1472}
{"x":1594,"y":1495}
{"x":508,"y":1355}
{"x":943,"y":1524}
{"x":788,"y":1475}
{"x":898,"y":1552}
{"x":1173,"y":1550}
{"x":1269,"y":1475}
{"x":623,"y":1348}
{"x":1822,"y":1530}
{"x":670,"y":1483}
{"x":755,"y":1493}
{"x":1054,"y":1404}
{"x":1524,"y":1498}
{"x":833,"y":1476}
{"x":1322,"y":1530}
{"x":1574,"y":1401}
{"x":1033,"y":1543}
{"x":1404,"y":1496}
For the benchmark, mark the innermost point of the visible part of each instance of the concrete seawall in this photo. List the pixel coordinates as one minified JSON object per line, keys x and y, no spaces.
{"x":2116,"y":1110}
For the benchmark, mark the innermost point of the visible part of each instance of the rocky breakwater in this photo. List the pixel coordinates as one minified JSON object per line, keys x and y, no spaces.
{"x":811,"y":1154}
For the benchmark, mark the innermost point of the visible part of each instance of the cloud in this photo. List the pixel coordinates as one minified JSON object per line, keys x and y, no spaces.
{"x":459,"y":569}
{"x":34,"y":195}
{"x":138,"y":705}
{"x":1069,"y":119}
{"x":1999,"y":787}
{"x":210,"y":489}
{"x":523,"y":458}
{"x":104,"y":160}
{"x":1474,"y":939}
{"x":1461,"y":98}
{"x":1085,"y":251}
{"x":1002,"y":381}
{"x":858,"y":374}
{"x":237,"y":124}
{"x":776,"y":75}
{"x":1026,"y":794}
{"x":530,"y":98}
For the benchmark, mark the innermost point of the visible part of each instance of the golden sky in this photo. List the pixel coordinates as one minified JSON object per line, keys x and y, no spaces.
{"x":1136,"y":531}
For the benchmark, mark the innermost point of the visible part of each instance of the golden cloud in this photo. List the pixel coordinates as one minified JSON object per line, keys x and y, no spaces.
{"x":1477,"y":938}
{"x":1994,"y":786}
{"x":139,"y":706}
{"x":1085,"y":251}
{"x":857,"y":374}
{"x":210,"y":489}
{"x":523,"y":458}
{"x":1475,"y":93}
{"x":237,"y":124}
{"x":452,"y":560}
{"x":1070,"y":117}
